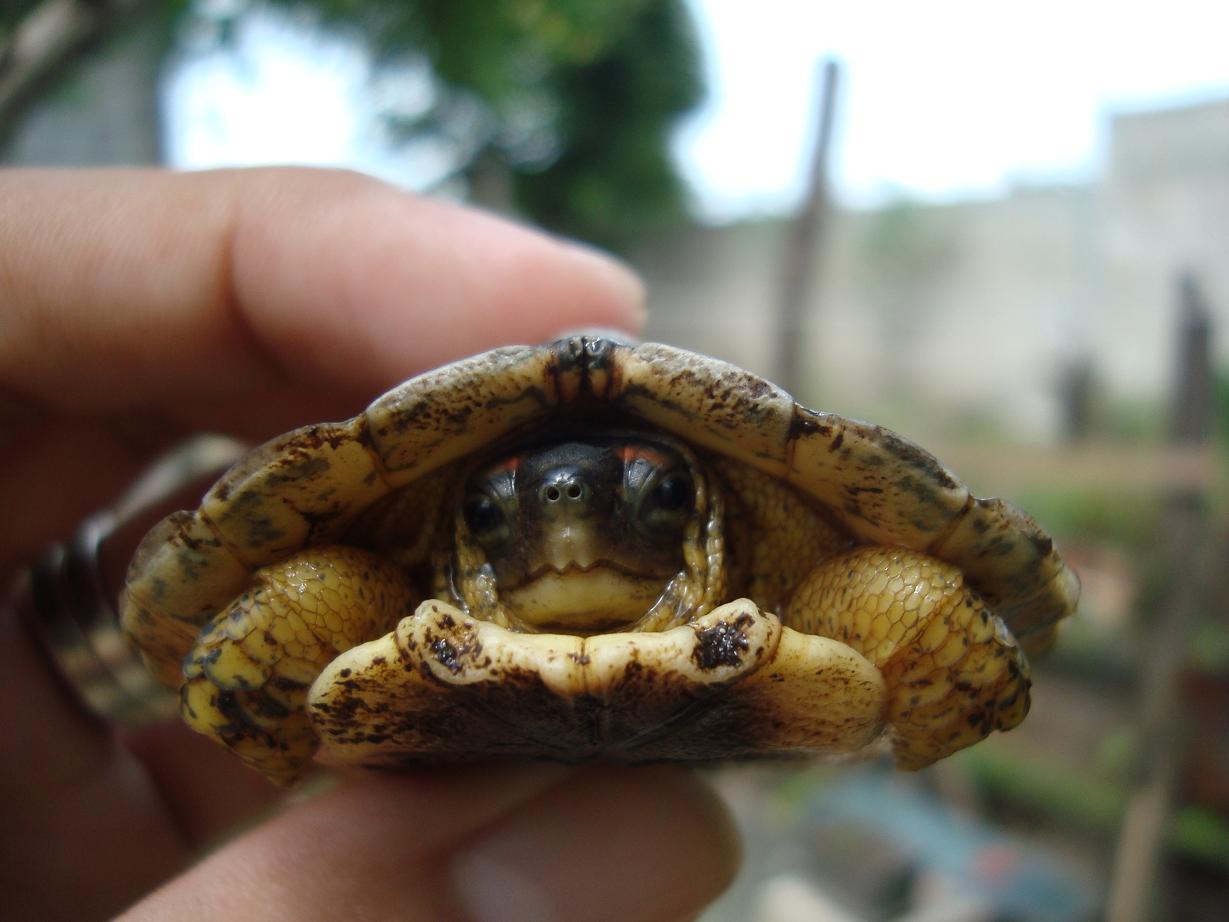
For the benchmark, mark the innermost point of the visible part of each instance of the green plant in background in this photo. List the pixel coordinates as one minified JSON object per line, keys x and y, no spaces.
{"x":613,"y":176}
{"x":564,"y":109}
{"x":1120,"y":518}
{"x":1090,"y":803}
{"x":559,"y":110}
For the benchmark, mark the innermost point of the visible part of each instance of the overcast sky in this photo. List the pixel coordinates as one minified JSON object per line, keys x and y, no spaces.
{"x":938,"y":99}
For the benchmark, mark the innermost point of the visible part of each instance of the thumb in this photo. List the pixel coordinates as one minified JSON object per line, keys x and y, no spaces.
{"x":493,"y":843}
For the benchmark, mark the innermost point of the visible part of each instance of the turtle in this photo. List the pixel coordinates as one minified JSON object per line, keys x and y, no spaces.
{"x":593,"y":549}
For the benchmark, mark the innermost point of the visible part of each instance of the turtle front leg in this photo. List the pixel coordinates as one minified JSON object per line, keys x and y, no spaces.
{"x":953,"y":671}
{"x":247,"y":678}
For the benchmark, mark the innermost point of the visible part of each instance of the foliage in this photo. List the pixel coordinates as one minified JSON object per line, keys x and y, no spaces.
{"x":13,"y":12}
{"x":613,"y":168}
{"x":1125,"y":520}
{"x":567,"y":106}
{"x":1095,"y":804}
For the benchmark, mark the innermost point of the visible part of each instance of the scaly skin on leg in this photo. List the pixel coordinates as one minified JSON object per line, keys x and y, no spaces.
{"x":954,"y":672}
{"x":246,"y":680}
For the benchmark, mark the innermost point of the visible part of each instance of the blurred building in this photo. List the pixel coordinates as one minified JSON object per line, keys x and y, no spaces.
{"x":971,"y":314}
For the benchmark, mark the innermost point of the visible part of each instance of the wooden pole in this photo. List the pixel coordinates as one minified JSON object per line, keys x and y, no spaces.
{"x":1136,"y":887}
{"x":805,"y":238}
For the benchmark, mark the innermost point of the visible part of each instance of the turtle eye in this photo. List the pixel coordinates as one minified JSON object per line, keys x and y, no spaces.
{"x":484,"y":516}
{"x":669,"y":502}
{"x":675,"y":493}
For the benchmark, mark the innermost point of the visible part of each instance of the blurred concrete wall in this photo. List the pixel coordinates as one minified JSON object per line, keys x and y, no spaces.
{"x":966,"y":314}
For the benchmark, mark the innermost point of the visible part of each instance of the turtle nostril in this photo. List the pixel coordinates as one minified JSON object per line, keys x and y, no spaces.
{"x":564,"y":489}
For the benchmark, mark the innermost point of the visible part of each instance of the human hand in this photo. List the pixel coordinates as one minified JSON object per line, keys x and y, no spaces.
{"x":137,"y":307}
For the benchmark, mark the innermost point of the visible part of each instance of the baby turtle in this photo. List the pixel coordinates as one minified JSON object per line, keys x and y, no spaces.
{"x":592,"y":549}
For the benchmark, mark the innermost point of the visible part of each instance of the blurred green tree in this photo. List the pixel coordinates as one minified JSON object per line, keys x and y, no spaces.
{"x":559,"y":110}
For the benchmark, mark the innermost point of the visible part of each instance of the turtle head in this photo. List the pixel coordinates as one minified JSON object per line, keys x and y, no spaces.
{"x":587,"y":535}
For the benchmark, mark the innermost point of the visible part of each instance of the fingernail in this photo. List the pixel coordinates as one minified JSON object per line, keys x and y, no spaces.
{"x":607,"y":844}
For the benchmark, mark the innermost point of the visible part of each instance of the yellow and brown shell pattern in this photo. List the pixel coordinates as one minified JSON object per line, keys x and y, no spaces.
{"x":838,"y":589}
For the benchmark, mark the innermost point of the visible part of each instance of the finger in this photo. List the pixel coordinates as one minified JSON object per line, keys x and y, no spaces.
{"x":78,"y":815}
{"x":136,"y":288}
{"x":207,"y":793}
{"x":139,"y":305}
{"x":493,"y":844}
{"x":612,"y":844}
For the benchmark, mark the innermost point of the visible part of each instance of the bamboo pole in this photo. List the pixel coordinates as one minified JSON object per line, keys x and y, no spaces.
{"x":805,"y":238}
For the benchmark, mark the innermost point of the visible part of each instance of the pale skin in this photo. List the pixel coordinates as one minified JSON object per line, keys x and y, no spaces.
{"x":136,"y":307}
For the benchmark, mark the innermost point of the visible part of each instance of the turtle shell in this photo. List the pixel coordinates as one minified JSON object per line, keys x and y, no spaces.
{"x":312,"y":486}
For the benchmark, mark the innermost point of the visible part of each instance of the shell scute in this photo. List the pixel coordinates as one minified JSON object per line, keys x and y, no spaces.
{"x":182,"y":573}
{"x":1014,"y":565}
{"x":712,"y":403}
{"x":883,"y":487}
{"x":301,"y":489}
{"x":445,"y":414}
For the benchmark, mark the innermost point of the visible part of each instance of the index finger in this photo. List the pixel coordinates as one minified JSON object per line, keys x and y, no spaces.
{"x":132,"y":288}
